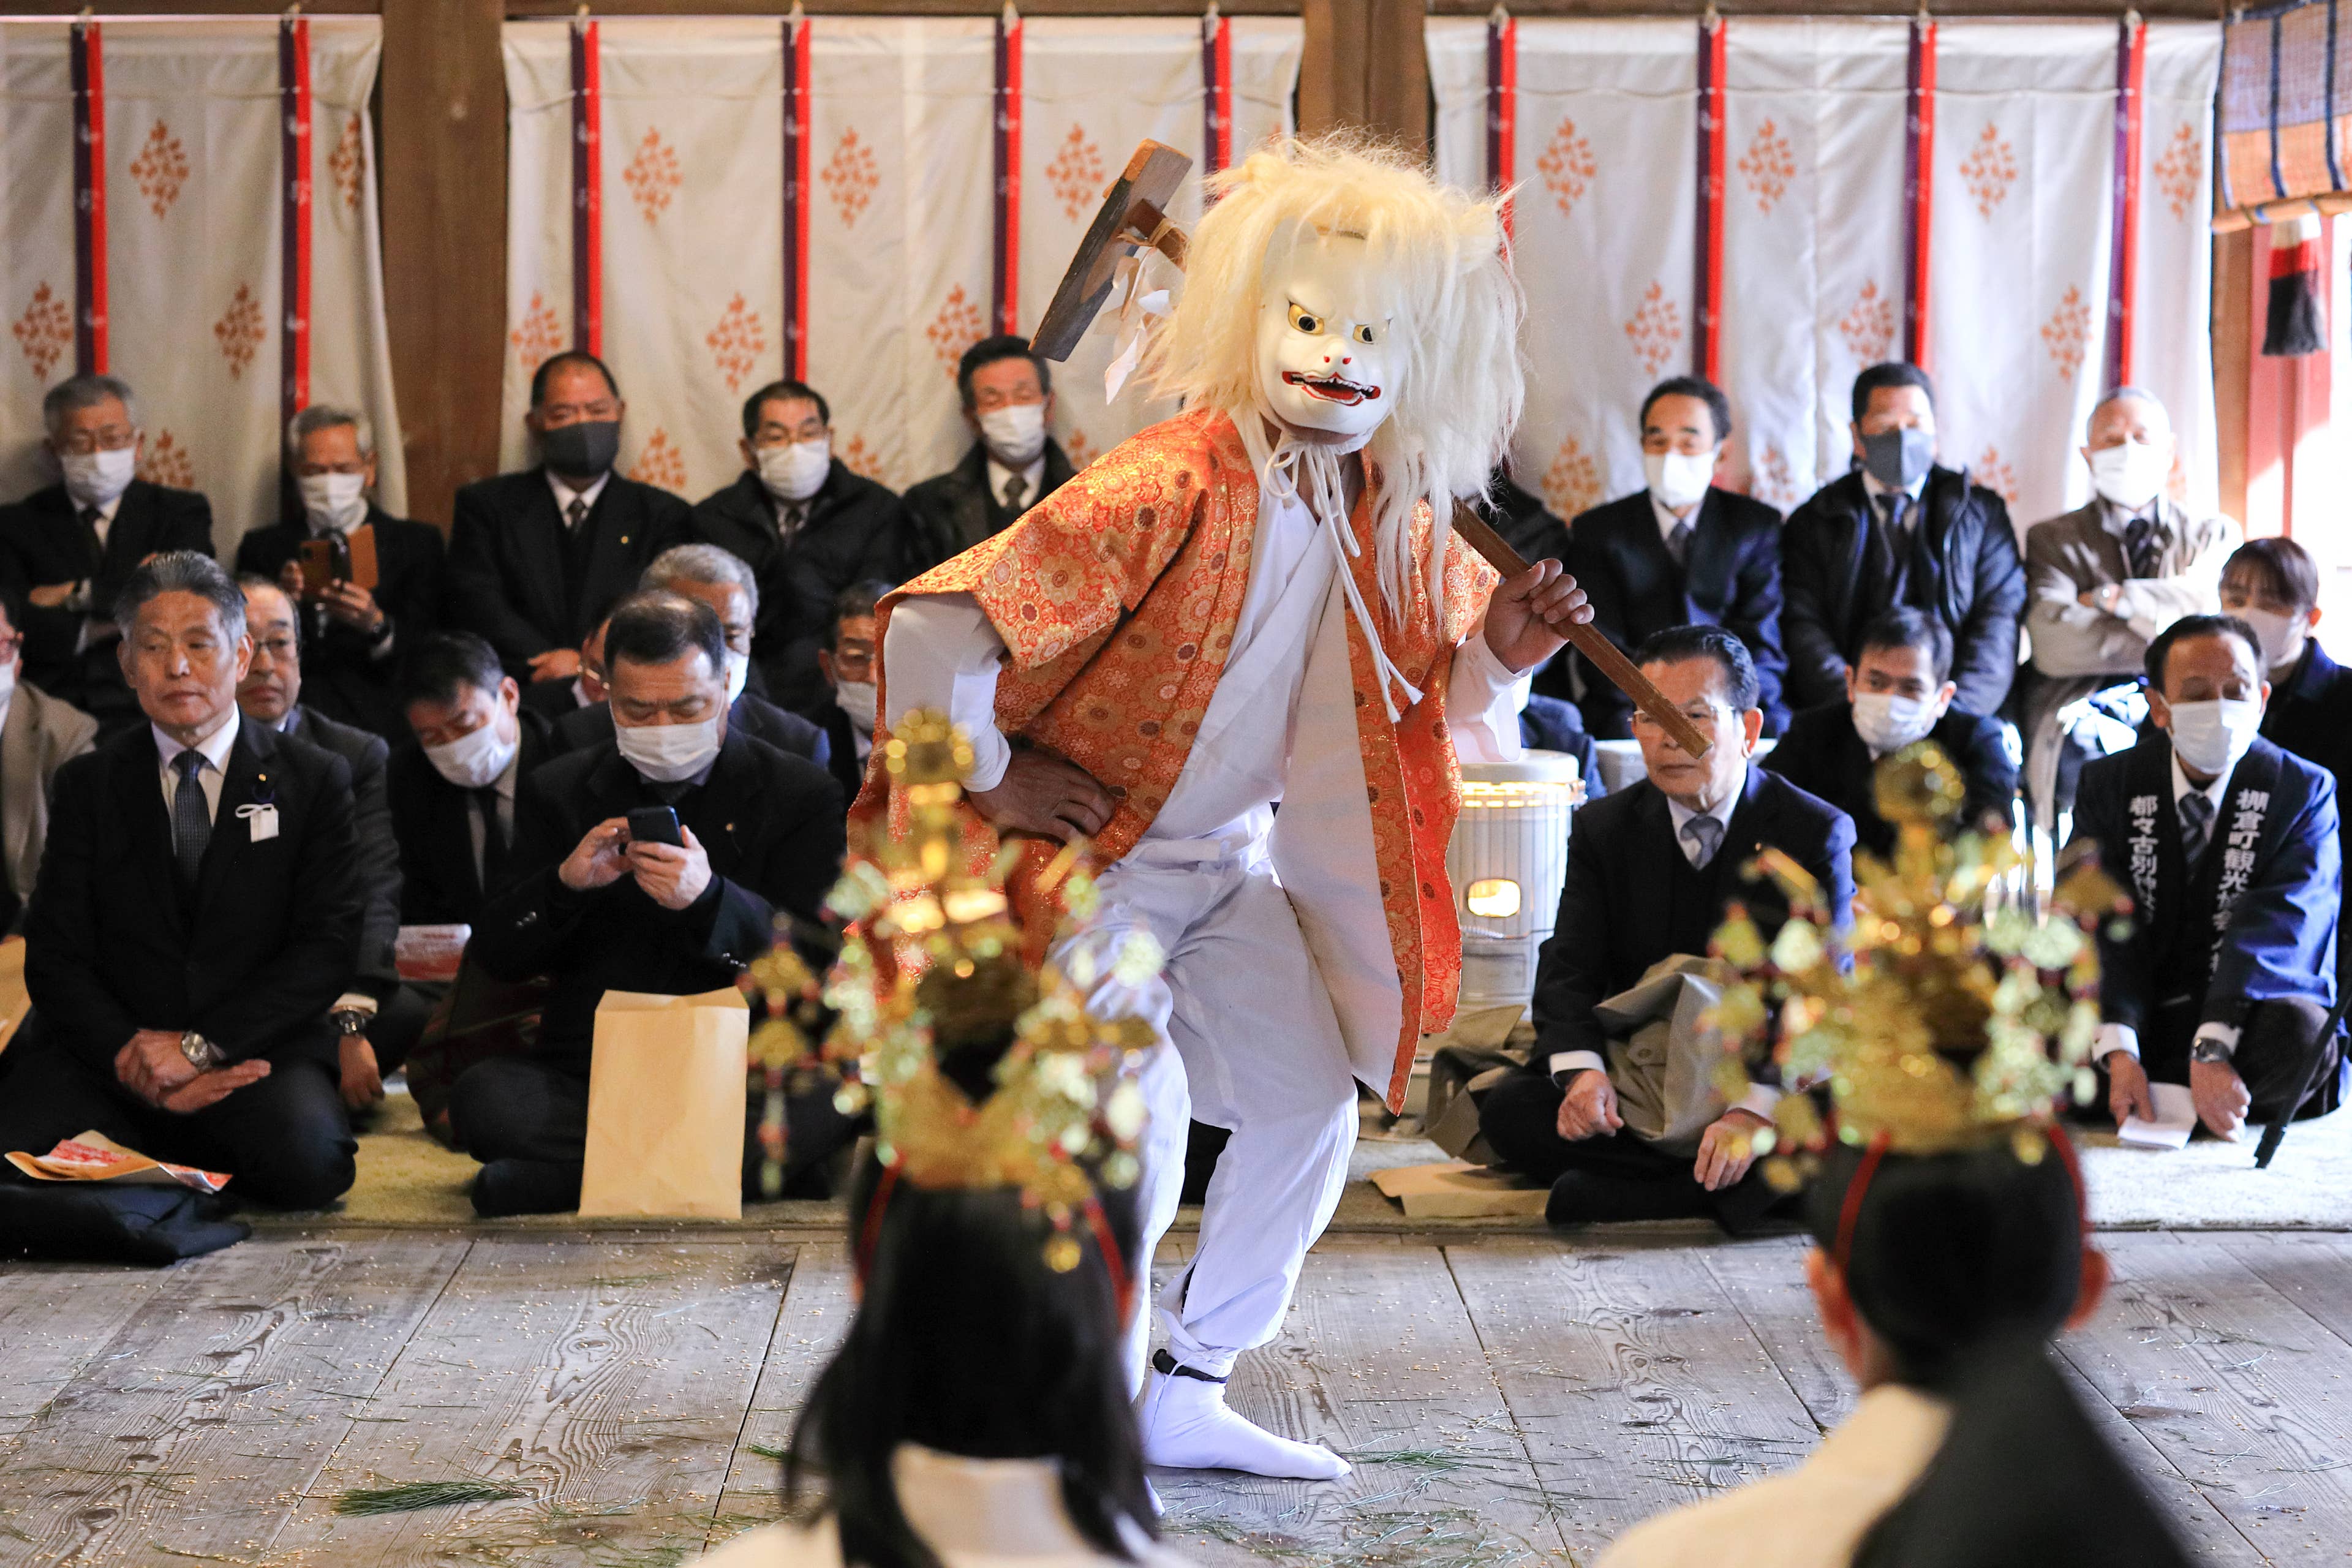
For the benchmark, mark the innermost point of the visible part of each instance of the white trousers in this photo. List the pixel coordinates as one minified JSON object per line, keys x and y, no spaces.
{"x":1248,"y":1042}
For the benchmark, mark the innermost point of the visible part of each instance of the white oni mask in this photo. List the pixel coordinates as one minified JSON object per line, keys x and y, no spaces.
{"x":1326,"y":365}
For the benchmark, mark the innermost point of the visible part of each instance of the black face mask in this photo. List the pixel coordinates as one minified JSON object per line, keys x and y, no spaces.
{"x":582,"y":449}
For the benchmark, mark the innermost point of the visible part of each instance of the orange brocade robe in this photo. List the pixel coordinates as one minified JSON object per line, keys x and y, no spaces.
{"x":1116,"y":598}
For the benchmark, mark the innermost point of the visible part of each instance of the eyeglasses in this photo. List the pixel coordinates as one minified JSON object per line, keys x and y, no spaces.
{"x":111,"y":438}
{"x":1700,"y":717}
{"x":281,"y":650}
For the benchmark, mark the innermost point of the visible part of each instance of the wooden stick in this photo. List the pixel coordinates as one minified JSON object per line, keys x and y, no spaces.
{"x":1589,"y":641}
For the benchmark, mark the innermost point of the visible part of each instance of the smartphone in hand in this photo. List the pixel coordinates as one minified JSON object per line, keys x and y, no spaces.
{"x":655,"y":824}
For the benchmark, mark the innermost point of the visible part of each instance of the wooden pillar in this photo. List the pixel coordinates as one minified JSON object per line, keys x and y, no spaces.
{"x":1364,"y":69}
{"x":2233,"y":348}
{"x":444,"y":167}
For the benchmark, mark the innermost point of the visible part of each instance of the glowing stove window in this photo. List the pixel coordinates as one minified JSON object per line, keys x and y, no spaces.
{"x":1496,"y":898}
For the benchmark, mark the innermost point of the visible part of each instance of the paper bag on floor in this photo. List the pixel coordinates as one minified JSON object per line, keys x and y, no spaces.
{"x":665,"y":1088}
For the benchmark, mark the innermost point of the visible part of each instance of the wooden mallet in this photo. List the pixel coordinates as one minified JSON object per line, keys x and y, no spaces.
{"x":1134,"y":217}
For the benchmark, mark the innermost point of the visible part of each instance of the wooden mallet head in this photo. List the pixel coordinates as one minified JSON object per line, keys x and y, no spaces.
{"x":1133,"y":215}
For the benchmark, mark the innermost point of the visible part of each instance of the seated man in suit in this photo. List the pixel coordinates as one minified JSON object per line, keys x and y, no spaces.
{"x":453,"y":788}
{"x":353,"y":637}
{"x":1008,"y":400}
{"x":806,"y":526}
{"x":709,"y":574}
{"x":38,"y":734}
{"x":1649,"y":872}
{"x":72,"y":546}
{"x":197,"y":914}
{"x":1899,"y":691}
{"x":2230,"y":848}
{"x":537,"y":558}
{"x":1900,"y":530}
{"x":2272,"y":586}
{"x":378,"y":1019}
{"x":555,"y":700}
{"x":1680,"y":553}
{"x":2106,"y":577}
{"x":847,"y":662}
{"x":762,"y":835}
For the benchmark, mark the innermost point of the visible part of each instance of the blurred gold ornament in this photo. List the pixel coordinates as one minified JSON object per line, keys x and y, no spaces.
{"x":1964,"y":1016}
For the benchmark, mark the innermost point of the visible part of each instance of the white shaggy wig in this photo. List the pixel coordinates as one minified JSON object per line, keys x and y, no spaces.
{"x":1455,"y":303}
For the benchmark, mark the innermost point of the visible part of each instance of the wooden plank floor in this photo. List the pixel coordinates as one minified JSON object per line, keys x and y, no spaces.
{"x":1509,"y":1402}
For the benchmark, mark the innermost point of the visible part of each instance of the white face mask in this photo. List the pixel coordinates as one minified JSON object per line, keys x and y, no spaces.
{"x":2282,"y":637}
{"x":334,"y":501}
{"x":1888,"y":724}
{"x":474,"y":760}
{"x":1323,"y":357}
{"x":2211,"y":736}
{"x":95,"y":478}
{"x":795,"y":470}
{"x":667,"y":753}
{"x":739,"y":674}
{"x":857,"y":699}
{"x":1014,"y":434}
{"x":1679,"y":479}
{"x":2132,"y":474}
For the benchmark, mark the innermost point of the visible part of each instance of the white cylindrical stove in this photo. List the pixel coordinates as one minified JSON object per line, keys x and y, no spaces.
{"x":1507,"y":860}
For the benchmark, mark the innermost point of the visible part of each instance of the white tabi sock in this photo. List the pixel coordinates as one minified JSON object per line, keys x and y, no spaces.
{"x":1186,"y":1426}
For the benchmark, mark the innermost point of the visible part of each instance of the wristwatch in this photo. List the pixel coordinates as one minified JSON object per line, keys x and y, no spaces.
{"x":349,"y":1021}
{"x":2211,"y":1050}
{"x":202,"y":1054}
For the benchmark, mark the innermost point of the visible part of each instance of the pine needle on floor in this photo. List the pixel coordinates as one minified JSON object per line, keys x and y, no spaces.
{"x":409,"y":1496}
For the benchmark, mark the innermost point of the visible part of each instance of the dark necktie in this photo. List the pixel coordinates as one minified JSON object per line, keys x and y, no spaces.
{"x":575,"y":514}
{"x":1678,"y":541}
{"x":1886,"y":554}
{"x":192,"y":818}
{"x":795,"y":513}
{"x":1014,"y":489}
{"x":89,"y":517}
{"x":1705,"y":834}
{"x":2143,"y":547}
{"x":2196,"y":826}
{"x":494,"y":838}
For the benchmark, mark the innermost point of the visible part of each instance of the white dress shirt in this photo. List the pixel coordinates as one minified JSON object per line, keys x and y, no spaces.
{"x":1668,"y":521}
{"x":505,"y":785}
{"x":214,"y":749}
{"x":2122,"y":1037}
{"x":565,"y":495}
{"x":1033,"y":480}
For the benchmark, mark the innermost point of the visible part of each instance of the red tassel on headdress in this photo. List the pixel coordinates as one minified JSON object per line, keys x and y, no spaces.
{"x":2295,"y":328}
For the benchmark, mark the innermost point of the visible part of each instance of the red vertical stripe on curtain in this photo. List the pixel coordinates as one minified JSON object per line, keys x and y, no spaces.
{"x":1706,"y":293}
{"x":2122,"y":250}
{"x":1502,"y":107}
{"x":796,"y":196}
{"x":1918,"y":190}
{"x":294,"y":219}
{"x":86,"y":53}
{"x":587,"y":190}
{"x":1005,"y":275}
{"x":1216,"y":92}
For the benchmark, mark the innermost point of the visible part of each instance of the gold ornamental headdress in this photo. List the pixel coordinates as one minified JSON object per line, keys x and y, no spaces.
{"x":1965,"y":1015}
{"x":978,"y":1053}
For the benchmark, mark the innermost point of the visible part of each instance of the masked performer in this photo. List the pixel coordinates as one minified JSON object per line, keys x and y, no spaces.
{"x":1261,"y":600}
{"x":1948,"y":1214}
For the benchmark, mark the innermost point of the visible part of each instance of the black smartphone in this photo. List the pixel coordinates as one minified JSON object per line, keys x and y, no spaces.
{"x":655,"y":824}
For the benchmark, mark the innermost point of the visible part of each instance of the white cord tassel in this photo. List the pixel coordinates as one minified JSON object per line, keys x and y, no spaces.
{"x":1326,"y":501}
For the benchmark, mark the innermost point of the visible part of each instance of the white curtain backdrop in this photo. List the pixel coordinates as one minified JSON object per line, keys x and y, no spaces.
{"x":1812,"y":281}
{"x":899,"y":211}
{"x":192,"y":262}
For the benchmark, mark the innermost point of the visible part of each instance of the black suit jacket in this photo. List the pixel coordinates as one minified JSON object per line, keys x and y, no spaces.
{"x":1823,"y":755}
{"x":949,"y":514}
{"x":253,"y":961}
{"x":345,"y":677}
{"x":552,"y":701}
{"x":42,"y":544}
{"x":841,"y":743}
{"x":1631,"y":898}
{"x":1730,"y":577}
{"x":773,"y":827}
{"x":438,"y":883}
{"x":752,"y":715}
{"x":519,"y":578}
{"x":856,"y":530}
{"x":2310,"y":714}
{"x":1978,"y":592}
{"x":379,"y":852}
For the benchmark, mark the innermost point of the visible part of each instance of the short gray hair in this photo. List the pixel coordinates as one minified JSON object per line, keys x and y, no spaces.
{"x":2136,"y":394}
{"x":326,"y":416}
{"x":701,"y":563}
{"x":76,"y":393}
{"x":182,"y":572}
